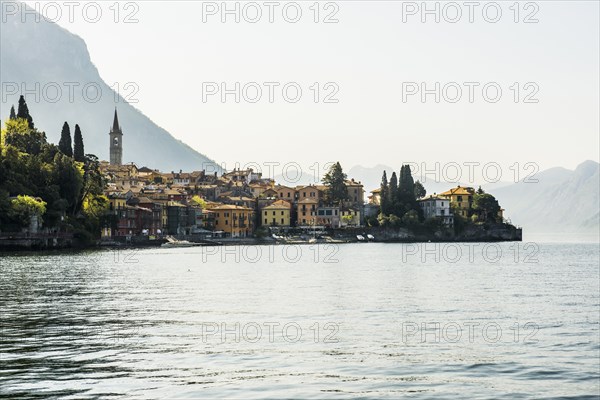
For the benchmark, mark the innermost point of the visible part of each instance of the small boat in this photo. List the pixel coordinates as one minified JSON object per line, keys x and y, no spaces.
{"x":370,"y":237}
{"x":360,"y":238}
{"x":172,"y":242}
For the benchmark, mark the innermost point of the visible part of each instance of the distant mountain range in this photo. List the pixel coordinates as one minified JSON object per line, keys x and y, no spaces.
{"x":562,"y":201}
{"x":42,"y":53}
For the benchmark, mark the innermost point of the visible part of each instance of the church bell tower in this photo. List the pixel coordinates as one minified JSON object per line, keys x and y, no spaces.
{"x":116,"y":142}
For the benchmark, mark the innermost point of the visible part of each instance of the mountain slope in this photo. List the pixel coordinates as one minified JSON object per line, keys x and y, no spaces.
{"x":44,"y":54}
{"x":562,"y":200}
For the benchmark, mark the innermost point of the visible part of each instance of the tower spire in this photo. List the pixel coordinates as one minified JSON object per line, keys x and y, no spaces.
{"x":116,"y":127}
{"x":116,"y":142}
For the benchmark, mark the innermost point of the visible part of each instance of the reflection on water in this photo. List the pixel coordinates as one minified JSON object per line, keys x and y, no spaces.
{"x":360,"y":320}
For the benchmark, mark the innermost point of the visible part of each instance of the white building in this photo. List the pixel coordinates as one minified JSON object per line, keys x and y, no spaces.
{"x":437,"y":207}
{"x":329,"y":216}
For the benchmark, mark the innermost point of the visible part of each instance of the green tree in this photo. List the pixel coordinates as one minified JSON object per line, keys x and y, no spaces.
{"x":13,"y":116}
{"x":406,"y":191}
{"x":420,"y":191}
{"x":384,"y":196}
{"x":69,"y":178}
{"x":17,"y":133}
{"x":24,"y":207}
{"x":92,"y":183}
{"x":78,"y":152}
{"x":486,"y":207}
{"x":199,"y":201}
{"x":4,"y":206}
{"x":64,"y":144}
{"x":394,"y":221}
{"x":23,"y":112}
{"x":347,"y":219}
{"x":411,"y":218}
{"x":372,"y":221}
{"x":335,"y":181}
{"x":393,"y":194}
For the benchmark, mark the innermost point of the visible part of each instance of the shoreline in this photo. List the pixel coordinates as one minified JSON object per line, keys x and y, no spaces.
{"x":471,"y":234}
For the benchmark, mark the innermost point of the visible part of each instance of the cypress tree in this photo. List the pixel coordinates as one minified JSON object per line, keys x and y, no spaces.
{"x":78,"y":152}
{"x":13,"y":116}
{"x":384,"y":195}
{"x":23,"y":111}
{"x":393,"y":193}
{"x":406,"y":189}
{"x":64,"y":145}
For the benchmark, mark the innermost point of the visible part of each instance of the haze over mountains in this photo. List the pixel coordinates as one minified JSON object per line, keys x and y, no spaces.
{"x":45,"y":54}
{"x":563,"y":201}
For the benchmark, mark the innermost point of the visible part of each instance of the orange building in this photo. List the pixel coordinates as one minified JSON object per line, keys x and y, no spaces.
{"x":307,"y":211}
{"x":285,"y":193}
{"x":310,"y":191}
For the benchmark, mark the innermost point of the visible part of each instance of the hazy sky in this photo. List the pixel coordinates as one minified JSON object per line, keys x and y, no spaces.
{"x":369,"y":54}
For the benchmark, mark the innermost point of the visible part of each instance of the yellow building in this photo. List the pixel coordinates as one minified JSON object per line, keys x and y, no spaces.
{"x":235,"y":221}
{"x":461,"y":200}
{"x":350,"y":217}
{"x":116,"y":201}
{"x":276,"y":214}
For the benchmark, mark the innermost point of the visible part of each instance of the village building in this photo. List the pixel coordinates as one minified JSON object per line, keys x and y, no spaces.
{"x":285,"y":193}
{"x":461,"y":200}
{"x":435,"y":206}
{"x":307,"y":211}
{"x":234,"y":221}
{"x":276,"y":214}
{"x":328,"y":216}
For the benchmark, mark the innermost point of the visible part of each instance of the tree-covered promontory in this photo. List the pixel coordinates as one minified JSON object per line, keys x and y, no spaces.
{"x":38,"y":179}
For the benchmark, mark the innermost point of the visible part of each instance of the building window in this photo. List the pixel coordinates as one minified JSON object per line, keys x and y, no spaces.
{"x":281,"y":221}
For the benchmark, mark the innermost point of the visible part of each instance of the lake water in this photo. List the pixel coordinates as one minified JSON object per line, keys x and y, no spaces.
{"x":509,"y":320}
